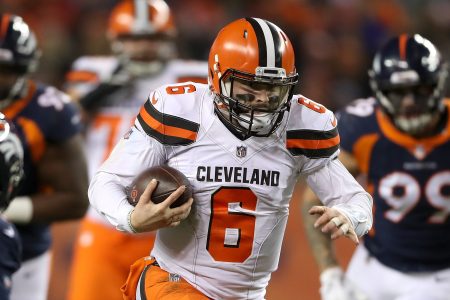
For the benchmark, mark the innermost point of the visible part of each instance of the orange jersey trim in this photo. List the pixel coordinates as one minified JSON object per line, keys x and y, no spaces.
{"x":362,"y":150}
{"x":313,"y":144}
{"x":17,"y":106}
{"x":34,"y":136}
{"x":165,"y":129}
{"x":408,"y":142}
{"x":85,"y":76}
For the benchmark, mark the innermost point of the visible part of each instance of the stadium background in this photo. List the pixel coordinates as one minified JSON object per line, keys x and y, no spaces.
{"x":334,"y":42}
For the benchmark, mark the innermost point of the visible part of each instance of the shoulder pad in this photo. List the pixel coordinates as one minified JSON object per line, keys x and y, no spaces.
{"x":356,"y":120}
{"x":53,"y":112}
{"x":93,"y":68}
{"x":51,"y":98}
{"x":311,"y":130}
{"x":88,"y":73}
{"x":171,"y":114}
{"x":359,"y":108}
{"x":189,"y":70}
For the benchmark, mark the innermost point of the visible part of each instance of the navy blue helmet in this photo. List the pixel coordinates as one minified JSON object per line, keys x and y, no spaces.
{"x":18,"y":45}
{"x":19,"y":54}
{"x":408,"y":78}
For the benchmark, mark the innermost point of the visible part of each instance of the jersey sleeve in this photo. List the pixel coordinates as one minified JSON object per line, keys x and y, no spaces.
{"x":88,"y":73}
{"x":134,"y":153}
{"x":171,"y":114}
{"x":312,"y":133}
{"x":337,"y":188}
{"x":169,"y":117}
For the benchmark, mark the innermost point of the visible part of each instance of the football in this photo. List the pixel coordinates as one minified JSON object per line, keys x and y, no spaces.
{"x":169,"y":179}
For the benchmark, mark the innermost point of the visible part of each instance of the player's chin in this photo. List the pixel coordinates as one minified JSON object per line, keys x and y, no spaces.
{"x":174,"y":224}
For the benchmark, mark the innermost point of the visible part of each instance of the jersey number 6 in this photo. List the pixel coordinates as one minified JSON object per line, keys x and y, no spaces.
{"x":231,"y":232}
{"x":180,"y":89}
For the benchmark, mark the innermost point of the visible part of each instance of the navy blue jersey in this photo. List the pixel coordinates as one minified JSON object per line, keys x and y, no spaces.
{"x":10,"y":252}
{"x":409,"y":180}
{"x":44,"y":116}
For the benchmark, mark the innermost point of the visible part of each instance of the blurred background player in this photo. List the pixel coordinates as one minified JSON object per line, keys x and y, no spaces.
{"x":111,"y":90}
{"x":11,"y":173}
{"x":399,"y":141}
{"x":55,"y":181}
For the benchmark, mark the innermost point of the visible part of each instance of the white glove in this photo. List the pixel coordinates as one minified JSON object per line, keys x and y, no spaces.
{"x":335,"y":286}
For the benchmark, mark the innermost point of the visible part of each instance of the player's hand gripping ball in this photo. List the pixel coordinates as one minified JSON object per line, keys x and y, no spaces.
{"x":169,"y":179}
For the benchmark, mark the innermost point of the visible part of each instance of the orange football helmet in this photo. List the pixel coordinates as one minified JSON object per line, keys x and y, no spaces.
{"x":251,"y":58}
{"x":143,"y":34}
{"x":141,"y":17}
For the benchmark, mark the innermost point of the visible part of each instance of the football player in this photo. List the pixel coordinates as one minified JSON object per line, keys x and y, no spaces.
{"x":55,"y":182}
{"x":11,"y":173}
{"x":242,"y":140}
{"x":111,"y":89}
{"x":399,"y":141}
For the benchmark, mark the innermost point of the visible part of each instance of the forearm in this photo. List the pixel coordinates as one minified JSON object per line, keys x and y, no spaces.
{"x":336,"y":187}
{"x":107,"y":196}
{"x":320,"y":243}
{"x":47,"y":208}
{"x":58,"y":206}
{"x":62,"y":178}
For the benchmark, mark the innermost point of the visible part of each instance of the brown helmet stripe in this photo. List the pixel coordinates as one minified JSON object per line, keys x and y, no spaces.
{"x":261,"y":41}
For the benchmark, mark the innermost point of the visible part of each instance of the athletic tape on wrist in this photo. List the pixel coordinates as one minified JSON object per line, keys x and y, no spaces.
{"x":20,"y":210}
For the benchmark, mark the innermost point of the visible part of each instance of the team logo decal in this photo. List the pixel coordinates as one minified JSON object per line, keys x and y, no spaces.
{"x":126,"y":136}
{"x":241,"y":151}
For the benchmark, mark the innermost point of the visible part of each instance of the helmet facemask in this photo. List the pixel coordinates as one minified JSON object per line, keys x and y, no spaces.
{"x":254,"y":105}
{"x":145,"y":54}
{"x":11,"y":163}
{"x":414,"y":107}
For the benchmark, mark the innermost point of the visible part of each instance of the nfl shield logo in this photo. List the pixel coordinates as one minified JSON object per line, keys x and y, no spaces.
{"x":241,"y":151}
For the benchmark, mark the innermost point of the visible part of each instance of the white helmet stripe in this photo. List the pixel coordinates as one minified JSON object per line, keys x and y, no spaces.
{"x":141,"y":22}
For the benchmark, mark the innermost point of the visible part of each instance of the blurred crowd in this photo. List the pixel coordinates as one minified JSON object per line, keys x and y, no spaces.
{"x":334,"y":39}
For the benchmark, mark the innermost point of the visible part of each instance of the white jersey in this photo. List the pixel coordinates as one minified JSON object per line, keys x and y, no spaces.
{"x":231,"y":242}
{"x":117,"y":110}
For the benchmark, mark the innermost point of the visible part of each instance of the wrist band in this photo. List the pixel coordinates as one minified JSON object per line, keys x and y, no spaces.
{"x":20,"y":210}
{"x":129,"y":222}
